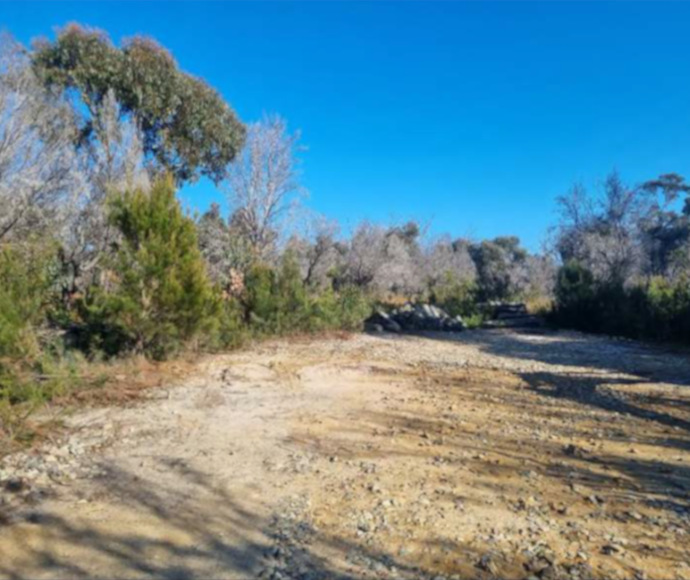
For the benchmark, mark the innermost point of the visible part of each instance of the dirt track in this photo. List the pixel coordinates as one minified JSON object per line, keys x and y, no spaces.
{"x":494,"y":454}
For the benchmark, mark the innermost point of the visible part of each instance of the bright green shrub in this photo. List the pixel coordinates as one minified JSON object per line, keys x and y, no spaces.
{"x":291,"y":297}
{"x":156,"y":295}
{"x":352,"y":308}
{"x":664,"y":309}
{"x":277,"y":301}
{"x":260,"y":301}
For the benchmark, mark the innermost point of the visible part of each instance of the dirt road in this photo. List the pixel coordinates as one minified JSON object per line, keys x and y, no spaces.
{"x":490,"y":454}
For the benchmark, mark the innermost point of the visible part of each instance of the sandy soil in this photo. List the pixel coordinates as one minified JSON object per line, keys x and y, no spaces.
{"x":487,"y":454}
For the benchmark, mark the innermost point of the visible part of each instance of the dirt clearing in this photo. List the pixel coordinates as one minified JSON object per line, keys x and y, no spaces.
{"x":490,"y":454}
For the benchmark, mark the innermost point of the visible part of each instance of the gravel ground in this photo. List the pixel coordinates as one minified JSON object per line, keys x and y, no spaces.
{"x":482,"y":454}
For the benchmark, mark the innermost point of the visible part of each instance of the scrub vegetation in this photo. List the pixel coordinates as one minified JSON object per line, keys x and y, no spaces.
{"x":99,"y":261}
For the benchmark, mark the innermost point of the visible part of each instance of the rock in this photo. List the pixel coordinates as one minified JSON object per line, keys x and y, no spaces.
{"x":385,"y":321}
{"x":487,"y":563}
{"x":410,"y":318}
{"x":574,"y":451}
{"x":610,"y":549}
{"x":374,"y":488}
{"x":370,"y":327}
{"x":15,"y":485}
{"x":511,"y":315}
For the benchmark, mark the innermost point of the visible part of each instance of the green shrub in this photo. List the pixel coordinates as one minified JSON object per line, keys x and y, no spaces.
{"x":353,"y":307}
{"x":156,"y":295}
{"x":32,"y":369}
{"x":658,"y":309}
{"x":663,"y":308}
{"x":575,"y":303}
{"x":346,"y":309}
{"x":228,"y":329}
{"x":277,"y":301}
{"x":27,"y":277}
{"x":264,"y":305}
{"x":456,"y":297}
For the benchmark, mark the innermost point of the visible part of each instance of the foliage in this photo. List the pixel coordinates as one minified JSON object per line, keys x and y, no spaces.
{"x":223,"y":247}
{"x":456,"y":297}
{"x":382,"y":260}
{"x":497,"y":262}
{"x":30,"y":372}
{"x":626,"y":266}
{"x":227,"y":328}
{"x":575,"y":294}
{"x":187,"y":127}
{"x":156,"y":295}
{"x":665,"y":231}
{"x":278,"y":301}
{"x":27,"y":277}
{"x":343,"y":310}
{"x":658,"y":309}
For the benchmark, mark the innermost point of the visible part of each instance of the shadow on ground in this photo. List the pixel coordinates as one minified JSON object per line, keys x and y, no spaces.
{"x":648,"y":362}
{"x":607,"y":444}
{"x":152,"y":530}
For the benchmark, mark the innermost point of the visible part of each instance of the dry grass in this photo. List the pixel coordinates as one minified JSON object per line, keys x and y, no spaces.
{"x":113,"y":383}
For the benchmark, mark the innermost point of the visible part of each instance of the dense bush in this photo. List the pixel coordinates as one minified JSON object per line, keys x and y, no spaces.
{"x":156,"y":295}
{"x":278,"y":301}
{"x":657,"y":309}
{"x":574,"y":293}
{"x":27,"y":276}
{"x":31,"y":371}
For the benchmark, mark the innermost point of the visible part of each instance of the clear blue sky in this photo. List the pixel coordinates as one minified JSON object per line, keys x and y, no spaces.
{"x":473,"y":116}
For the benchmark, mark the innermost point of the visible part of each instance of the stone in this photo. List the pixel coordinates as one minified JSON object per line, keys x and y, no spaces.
{"x":410,"y":318}
{"x":488,"y":564}
{"x":15,"y":485}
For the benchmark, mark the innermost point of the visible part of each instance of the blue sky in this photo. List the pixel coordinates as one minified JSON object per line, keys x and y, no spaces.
{"x":470,"y":116}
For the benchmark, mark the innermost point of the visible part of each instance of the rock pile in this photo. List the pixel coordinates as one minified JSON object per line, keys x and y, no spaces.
{"x":414,"y":317}
{"x":512,"y":315}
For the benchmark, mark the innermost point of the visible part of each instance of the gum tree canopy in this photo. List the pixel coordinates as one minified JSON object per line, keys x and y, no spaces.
{"x":186,"y":126}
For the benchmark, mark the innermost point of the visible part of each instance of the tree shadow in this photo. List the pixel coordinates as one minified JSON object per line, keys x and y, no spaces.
{"x":606,"y":411}
{"x":595,"y":368}
{"x":594,"y":391}
{"x":597,"y":487}
{"x":648,"y":362}
{"x":192,"y":529}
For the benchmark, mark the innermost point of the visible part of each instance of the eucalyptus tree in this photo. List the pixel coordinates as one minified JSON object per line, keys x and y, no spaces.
{"x":665,"y":230}
{"x":111,"y":162}
{"x":187,"y":128}
{"x":500,"y":265}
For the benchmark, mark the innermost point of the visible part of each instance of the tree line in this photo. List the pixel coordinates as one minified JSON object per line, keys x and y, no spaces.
{"x":625,"y":254}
